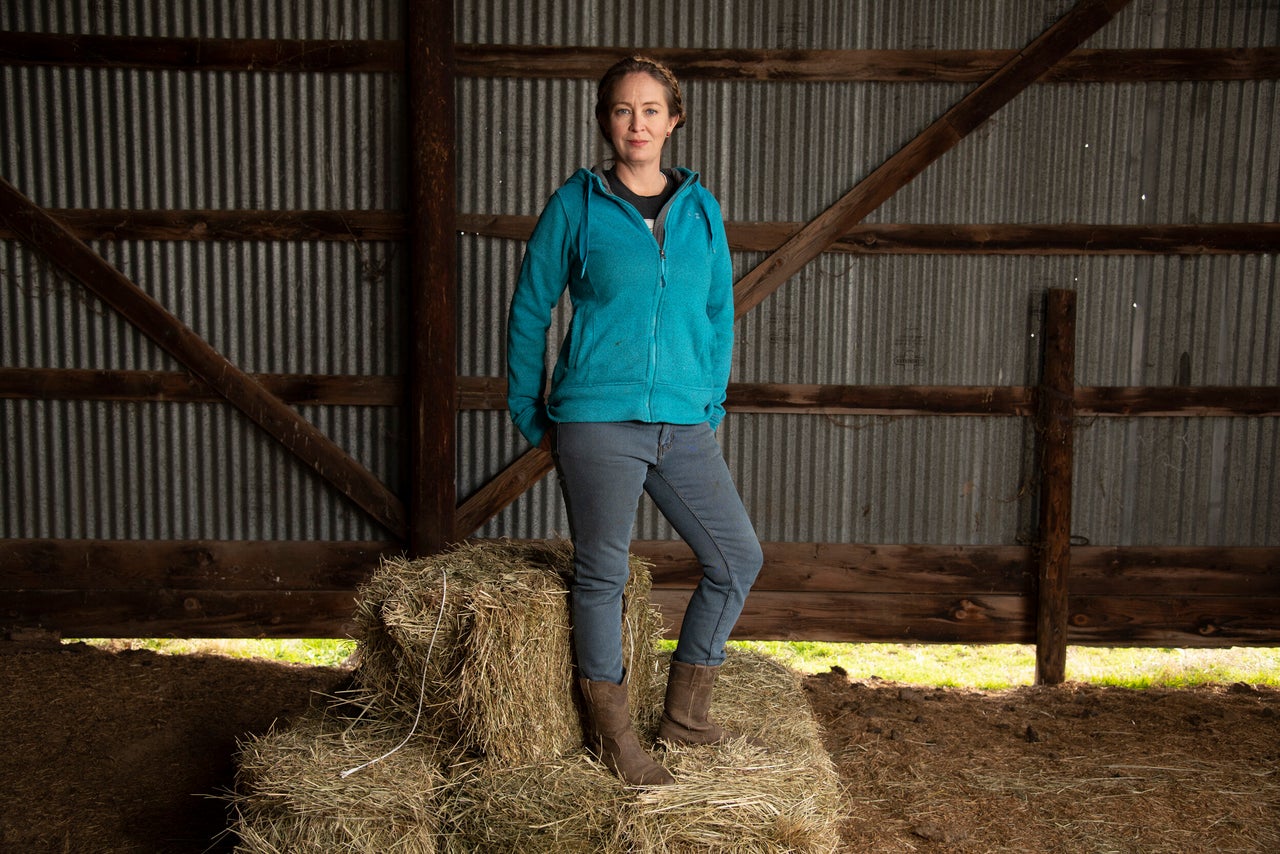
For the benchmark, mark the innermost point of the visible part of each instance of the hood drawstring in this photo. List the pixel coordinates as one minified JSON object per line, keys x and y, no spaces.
{"x":584,"y":240}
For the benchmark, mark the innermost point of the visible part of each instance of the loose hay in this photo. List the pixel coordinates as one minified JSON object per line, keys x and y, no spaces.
{"x":291,"y":795}
{"x":482,"y":634}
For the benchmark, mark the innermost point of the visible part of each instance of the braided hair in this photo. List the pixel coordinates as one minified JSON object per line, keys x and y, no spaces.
{"x":634,"y":65}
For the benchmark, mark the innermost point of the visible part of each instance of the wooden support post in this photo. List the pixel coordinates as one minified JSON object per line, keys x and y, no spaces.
{"x":1054,"y":426}
{"x":432,"y":390}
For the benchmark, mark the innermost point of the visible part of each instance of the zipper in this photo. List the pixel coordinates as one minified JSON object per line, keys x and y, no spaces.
{"x":658,"y":235}
{"x":652,"y":373}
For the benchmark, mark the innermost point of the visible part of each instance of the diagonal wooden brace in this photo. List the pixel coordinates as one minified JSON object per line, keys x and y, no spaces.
{"x":51,"y":238}
{"x":1028,"y":65}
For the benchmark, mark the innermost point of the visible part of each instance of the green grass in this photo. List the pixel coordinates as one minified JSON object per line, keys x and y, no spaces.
{"x":994,"y":666}
{"x":997,"y":666}
{"x":319,"y":652}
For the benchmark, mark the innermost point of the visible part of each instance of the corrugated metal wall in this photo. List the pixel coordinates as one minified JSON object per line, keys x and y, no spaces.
{"x":148,"y":139}
{"x":1104,"y":153}
{"x":1170,"y":152}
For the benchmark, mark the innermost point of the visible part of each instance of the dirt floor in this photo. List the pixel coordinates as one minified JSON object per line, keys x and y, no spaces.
{"x":122,"y":752}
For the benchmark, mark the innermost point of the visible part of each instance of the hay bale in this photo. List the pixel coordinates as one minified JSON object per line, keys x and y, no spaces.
{"x":565,"y":803}
{"x":729,"y":798}
{"x":290,"y":794}
{"x":495,"y":761}
{"x":482,"y":634}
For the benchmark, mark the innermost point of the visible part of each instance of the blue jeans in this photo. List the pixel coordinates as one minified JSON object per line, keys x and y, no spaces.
{"x":603,"y":467}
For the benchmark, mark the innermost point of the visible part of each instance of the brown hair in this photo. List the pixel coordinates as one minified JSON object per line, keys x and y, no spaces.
{"x":633,"y":65}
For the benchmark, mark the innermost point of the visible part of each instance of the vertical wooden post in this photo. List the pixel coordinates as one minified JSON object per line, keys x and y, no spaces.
{"x":1055,"y":413}
{"x":432,"y":389}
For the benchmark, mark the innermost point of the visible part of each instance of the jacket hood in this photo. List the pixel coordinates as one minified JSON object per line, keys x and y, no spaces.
{"x":593,"y":184}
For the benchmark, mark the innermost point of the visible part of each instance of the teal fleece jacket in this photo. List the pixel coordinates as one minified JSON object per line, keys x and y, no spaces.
{"x":651,"y":337}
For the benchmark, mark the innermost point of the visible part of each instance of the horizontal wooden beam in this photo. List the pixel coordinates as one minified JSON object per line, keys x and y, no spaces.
{"x":588,"y":63}
{"x":837,"y":618}
{"x":179,"y":613}
{"x":1120,"y":596}
{"x":1211,"y":621}
{"x":874,"y":66}
{"x":205,"y":224}
{"x":200,"y":54}
{"x":1026,"y":239}
{"x":259,"y":565}
{"x":1197,"y":401}
{"x":926,"y":618}
{"x":880,"y":618}
{"x":1233,"y":238}
{"x":1230,"y":238}
{"x":1195,"y":571}
{"x":490,"y":393}
{"x":1160,"y":571}
{"x":181,"y":387}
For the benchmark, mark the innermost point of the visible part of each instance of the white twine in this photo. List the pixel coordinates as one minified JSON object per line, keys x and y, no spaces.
{"x":444,"y":592}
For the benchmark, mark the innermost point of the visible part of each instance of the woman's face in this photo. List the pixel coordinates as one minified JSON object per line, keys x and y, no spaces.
{"x":639,"y":119}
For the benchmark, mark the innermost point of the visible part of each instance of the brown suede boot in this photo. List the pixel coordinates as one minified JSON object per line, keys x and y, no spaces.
{"x":684,"y":718}
{"x":615,"y":740}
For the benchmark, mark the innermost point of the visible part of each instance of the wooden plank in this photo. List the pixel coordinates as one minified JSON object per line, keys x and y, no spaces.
{"x":1228,"y":238}
{"x":509,"y":485}
{"x":915,"y":618}
{"x":859,"y":618}
{"x":182,"y":613}
{"x":482,"y":393}
{"x":1055,"y":432}
{"x":585,"y":62}
{"x":178,"y":387}
{"x":432,"y":387}
{"x":117,"y":224}
{"x":1020,"y":238}
{"x":883,"y":66}
{"x":1179,"y":400}
{"x":860,"y":568}
{"x":1175,"y":571}
{"x":226,"y":565}
{"x":1084,"y":19}
{"x":879,"y":400}
{"x":200,"y":54}
{"x":277,"y":418}
{"x":1231,"y":238}
{"x":1113,"y":621}
{"x":490,"y":393}
{"x":1169,"y":596}
{"x":1167,"y":65}
{"x":1182,"y":572}
{"x":1215,"y":621}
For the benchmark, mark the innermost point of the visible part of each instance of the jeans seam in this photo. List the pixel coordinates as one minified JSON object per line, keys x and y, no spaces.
{"x":724,"y":560}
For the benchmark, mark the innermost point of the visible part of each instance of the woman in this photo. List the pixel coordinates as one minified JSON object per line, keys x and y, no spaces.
{"x":635,"y":396}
